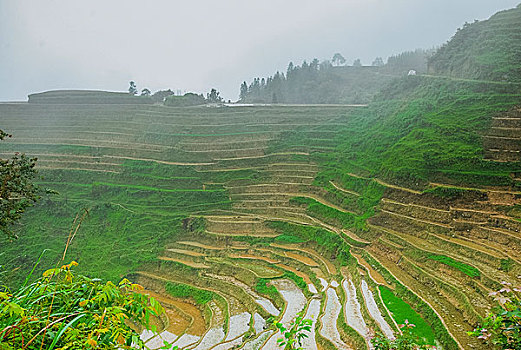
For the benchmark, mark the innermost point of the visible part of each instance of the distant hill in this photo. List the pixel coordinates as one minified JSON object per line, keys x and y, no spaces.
{"x":87,"y":97}
{"x":485,"y":50}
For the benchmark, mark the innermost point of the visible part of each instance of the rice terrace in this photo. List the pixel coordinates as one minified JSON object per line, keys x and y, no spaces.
{"x":388,"y":210}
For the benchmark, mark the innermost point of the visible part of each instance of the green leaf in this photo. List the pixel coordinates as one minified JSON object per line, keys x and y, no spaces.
{"x":63,"y":329}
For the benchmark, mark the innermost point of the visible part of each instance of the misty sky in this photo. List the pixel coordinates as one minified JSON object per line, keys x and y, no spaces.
{"x":194,"y":45}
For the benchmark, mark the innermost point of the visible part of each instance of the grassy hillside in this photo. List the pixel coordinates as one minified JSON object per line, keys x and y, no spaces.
{"x":485,"y":50}
{"x":424,"y":129}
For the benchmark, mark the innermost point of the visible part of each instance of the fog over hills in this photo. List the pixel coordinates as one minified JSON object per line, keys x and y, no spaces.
{"x":193,"y":46}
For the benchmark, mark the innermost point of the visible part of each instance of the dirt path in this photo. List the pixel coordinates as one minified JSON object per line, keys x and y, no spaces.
{"x":266,"y":155}
{"x":386,"y":200}
{"x":294,"y":194}
{"x":200,"y":245}
{"x":296,"y":272}
{"x":416,"y":219}
{"x":301,"y":258}
{"x":405,"y":189}
{"x":344,"y":190}
{"x":158,"y":161}
{"x":186,"y":252}
{"x":79,"y":169}
{"x":330,"y":268}
{"x":435,"y":184}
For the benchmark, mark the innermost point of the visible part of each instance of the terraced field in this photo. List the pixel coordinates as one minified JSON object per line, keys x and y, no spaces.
{"x":233,"y":219}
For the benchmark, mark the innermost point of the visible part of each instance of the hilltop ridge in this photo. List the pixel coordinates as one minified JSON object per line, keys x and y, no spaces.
{"x":87,"y":97}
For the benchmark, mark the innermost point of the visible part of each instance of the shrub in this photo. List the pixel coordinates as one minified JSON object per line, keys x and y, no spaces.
{"x":186,"y":100}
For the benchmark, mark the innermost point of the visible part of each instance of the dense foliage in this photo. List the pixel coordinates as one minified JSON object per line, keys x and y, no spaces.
{"x":66,"y":311}
{"x":17,"y":191}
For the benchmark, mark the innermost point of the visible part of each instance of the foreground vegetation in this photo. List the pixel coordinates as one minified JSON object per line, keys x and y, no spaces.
{"x":62,"y":310}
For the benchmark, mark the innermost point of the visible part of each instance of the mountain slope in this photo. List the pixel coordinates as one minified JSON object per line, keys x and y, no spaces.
{"x":485,"y":50}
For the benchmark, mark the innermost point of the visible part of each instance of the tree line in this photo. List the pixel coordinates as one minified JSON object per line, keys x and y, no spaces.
{"x":331,"y":81}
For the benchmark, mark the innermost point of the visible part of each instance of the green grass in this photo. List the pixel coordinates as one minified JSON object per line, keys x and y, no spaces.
{"x":262,"y":287}
{"x":288,"y":239}
{"x":402,"y":311}
{"x":181,"y":290}
{"x":466,"y":269}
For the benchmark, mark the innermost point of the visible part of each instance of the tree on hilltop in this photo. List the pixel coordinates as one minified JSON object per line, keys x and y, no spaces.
{"x":357,"y":63}
{"x":338,"y":59}
{"x":132,"y":89}
{"x":244,"y":91}
{"x":145,"y":92}
{"x":378,"y":62}
{"x":213,"y":96}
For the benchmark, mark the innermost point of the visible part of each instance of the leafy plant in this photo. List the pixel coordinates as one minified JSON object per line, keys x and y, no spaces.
{"x":295,"y":333}
{"x":66,"y":311}
{"x":405,"y":341}
{"x":503,"y":327}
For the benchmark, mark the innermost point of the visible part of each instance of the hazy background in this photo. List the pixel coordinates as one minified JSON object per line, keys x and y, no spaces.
{"x":196,"y":45}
